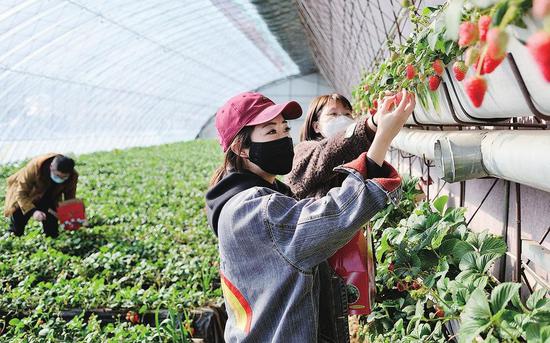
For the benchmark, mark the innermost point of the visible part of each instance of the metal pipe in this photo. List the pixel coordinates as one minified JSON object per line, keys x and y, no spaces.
{"x":517,"y":250}
{"x":502,"y":269}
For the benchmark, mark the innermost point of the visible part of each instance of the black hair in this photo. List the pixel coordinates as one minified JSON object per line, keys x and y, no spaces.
{"x":63,"y":164}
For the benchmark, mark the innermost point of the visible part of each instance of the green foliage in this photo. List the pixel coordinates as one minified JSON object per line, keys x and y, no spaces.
{"x":432,"y":270}
{"x":149,"y":246}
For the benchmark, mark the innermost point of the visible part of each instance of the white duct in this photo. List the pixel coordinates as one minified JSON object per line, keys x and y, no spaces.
{"x":519,"y":156}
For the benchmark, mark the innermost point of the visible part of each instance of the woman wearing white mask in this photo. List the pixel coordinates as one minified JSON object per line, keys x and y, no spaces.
{"x":329,"y":137}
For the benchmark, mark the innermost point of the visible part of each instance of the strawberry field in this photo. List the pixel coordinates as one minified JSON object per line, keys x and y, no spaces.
{"x":148,"y":248}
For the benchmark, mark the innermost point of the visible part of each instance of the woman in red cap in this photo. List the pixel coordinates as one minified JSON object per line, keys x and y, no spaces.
{"x":270,"y":243}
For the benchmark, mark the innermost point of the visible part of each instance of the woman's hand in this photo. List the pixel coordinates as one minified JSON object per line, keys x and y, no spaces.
{"x":390,"y":121}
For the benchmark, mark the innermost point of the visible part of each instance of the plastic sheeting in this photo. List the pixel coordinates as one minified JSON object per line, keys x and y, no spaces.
{"x":86,"y":75}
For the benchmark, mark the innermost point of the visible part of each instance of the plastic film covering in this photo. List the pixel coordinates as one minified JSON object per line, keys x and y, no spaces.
{"x":87,"y":75}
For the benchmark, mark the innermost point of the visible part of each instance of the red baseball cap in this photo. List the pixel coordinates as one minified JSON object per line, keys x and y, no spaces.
{"x":248,"y":109}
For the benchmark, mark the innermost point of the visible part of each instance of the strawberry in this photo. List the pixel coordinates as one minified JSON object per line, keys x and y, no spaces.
{"x":471,"y":55}
{"x":416,"y":285}
{"x":490,"y":64}
{"x":467,"y":34}
{"x":374,"y":107}
{"x":438,"y":67}
{"x":439,"y":312}
{"x":411,"y":72}
{"x":460,"y":69}
{"x":366,"y":88}
{"x":476,"y":88}
{"x":132,"y":317}
{"x":483,"y":26}
{"x":539,"y":47}
{"x":391,"y":267}
{"x":541,"y":8}
{"x":497,"y":40}
{"x":433,"y":82}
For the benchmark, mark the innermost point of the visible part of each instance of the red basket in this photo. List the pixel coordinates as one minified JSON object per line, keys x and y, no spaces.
{"x":71,"y":214}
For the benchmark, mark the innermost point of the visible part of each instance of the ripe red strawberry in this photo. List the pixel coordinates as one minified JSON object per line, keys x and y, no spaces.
{"x":438,"y":67}
{"x":460,"y":69}
{"x":476,"y":88}
{"x":439,"y":312}
{"x":539,"y":46}
{"x":391,"y":267}
{"x":489,"y":64}
{"x":433,"y":82}
{"x":411,"y":72}
{"x":497,"y":40}
{"x":374,"y":107}
{"x":541,"y":8}
{"x":471,"y":56}
{"x":416,"y":285}
{"x":483,"y":26}
{"x":467,"y":34}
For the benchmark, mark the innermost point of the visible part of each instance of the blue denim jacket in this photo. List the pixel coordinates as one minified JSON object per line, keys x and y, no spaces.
{"x":270,"y":245}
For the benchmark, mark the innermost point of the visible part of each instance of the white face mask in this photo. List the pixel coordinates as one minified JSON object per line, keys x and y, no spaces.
{"x":330,"y":127}
{"x":56,"y":178}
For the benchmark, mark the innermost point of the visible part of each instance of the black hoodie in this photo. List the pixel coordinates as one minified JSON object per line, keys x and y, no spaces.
{"x":232,"y":184}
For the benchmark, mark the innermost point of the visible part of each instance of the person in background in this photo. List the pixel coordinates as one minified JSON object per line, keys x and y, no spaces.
{"x":271,"y":244}
{"x":329,"y":137}
{"x":36,"y":190}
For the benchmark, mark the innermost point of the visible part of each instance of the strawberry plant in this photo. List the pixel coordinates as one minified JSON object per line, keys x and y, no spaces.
{"x":470,"y":30}
{"x":433,"y":274}
{"x":148,"y":247}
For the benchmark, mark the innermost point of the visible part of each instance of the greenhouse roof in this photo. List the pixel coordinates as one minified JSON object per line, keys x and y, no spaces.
{"x":97,"y":74}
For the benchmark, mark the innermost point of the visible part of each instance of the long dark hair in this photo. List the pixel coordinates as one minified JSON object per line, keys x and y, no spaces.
{"x":307,"y":133}
{"x":232,"y":160}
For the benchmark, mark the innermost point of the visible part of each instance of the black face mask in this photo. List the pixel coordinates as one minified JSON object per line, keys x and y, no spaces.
{"x":274,"y":157}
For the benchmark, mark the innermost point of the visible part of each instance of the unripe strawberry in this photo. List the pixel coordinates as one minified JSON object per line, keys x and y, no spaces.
{"x":460,"y":69}
{"x":497,"y":41}
{"x":476,"y":86}
{"x":539,"y":47}
{"x":471,"y":56}
{"x":467,"y":34}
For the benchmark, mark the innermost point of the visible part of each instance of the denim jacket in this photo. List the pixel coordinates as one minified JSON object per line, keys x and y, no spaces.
{"x":271,"y":244}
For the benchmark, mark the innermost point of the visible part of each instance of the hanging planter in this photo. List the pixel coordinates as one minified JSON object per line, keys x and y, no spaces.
{"x":434,"y":108}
